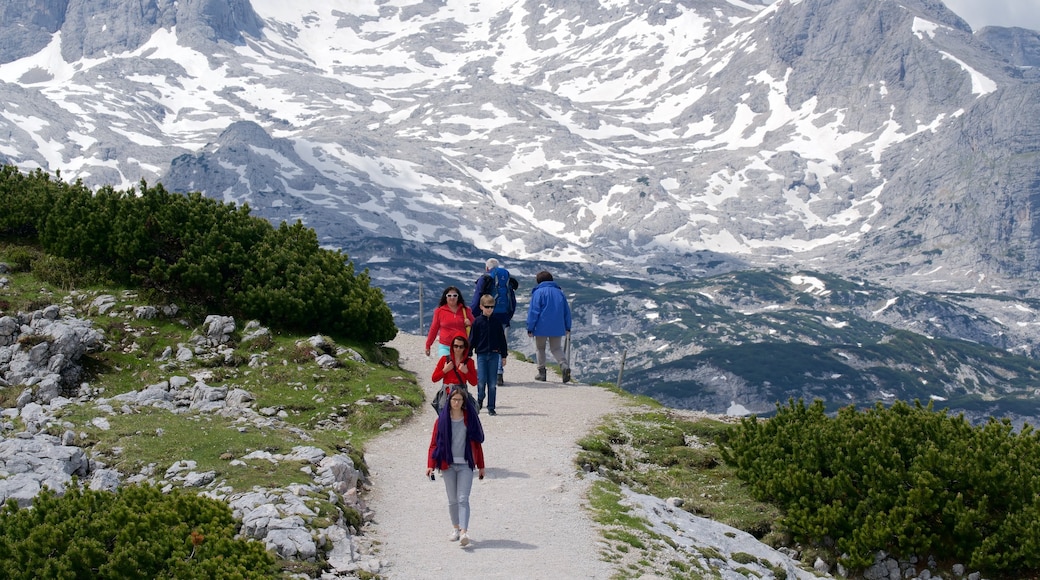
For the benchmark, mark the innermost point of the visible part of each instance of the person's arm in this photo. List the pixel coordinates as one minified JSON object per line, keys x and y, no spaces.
{"x":435,"y":326}
{"x":438,"y":369}
{"x":478,"y":291}
{"x":477,"y":332}
{"x":533,"y":313}
{"x":478,"y":457}
{"x":430,"y":463}
{"x":470,"y":374}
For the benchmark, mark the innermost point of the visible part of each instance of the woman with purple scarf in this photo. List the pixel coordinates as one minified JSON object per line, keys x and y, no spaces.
{"x":455,"y":450}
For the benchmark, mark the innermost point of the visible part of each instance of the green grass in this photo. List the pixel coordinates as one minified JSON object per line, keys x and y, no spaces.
{"x":660,"y":452}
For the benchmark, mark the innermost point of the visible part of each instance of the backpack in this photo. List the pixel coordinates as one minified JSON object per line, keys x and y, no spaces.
{"x":503,"y":287}
{"x":441,"y":398}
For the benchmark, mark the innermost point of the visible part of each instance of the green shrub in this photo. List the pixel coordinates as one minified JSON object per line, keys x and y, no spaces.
{"x":194,"y":250}
{"x":907,"y":480}
{"x":21,"y":259}
{"x":138,"y":532}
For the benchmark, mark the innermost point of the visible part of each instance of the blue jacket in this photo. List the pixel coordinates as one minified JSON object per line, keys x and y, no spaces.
{"x":549,"y":313}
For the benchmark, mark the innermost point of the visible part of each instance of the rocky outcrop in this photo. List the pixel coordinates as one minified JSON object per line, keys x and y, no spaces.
{"x":40,"y":356}
{"x":41,"y":351}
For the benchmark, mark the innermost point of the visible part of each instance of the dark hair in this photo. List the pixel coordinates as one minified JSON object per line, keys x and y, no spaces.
{"x":465,"y":341}
{"x":444,"y":296}
{"x":543,"y":276}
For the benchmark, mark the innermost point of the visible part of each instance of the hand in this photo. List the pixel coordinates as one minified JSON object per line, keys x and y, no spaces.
{"x":427,"y":352}
{"x":449,"y":365}
{"x":429,"y":471}
{"x":480,"y":473}
{"x":530,"y":333}
{"x":504,"y":361}
{"x":463,"y":368}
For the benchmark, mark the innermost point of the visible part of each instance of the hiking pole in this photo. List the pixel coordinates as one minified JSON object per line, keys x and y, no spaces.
{"x":622,"y":368}
{"x":420,"y":309}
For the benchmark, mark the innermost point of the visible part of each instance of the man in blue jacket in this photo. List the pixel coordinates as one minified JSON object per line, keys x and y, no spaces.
{"x":549,"y":320}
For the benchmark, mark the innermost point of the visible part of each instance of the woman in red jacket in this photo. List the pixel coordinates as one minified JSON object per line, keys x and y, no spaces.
{"x":456,"y":369}
{"x":456,"y":450}
{"x":451,"y":318}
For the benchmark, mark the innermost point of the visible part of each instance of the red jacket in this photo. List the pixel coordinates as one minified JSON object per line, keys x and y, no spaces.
{"x":450,"y":377}
{"x":446,"y":324}
{"x":476,"y":448}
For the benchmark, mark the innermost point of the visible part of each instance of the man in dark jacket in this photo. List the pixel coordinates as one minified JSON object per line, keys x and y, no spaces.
{"x":497,"y":282}
{"x":549,"y":320}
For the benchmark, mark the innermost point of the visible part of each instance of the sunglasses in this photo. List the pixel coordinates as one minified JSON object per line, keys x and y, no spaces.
{"x":487,"y":305}
{"x":459,"y":345}
{"x":452,"y":295}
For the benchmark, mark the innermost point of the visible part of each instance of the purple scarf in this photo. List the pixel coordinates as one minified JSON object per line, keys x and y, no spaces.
{"x":474,"y":430}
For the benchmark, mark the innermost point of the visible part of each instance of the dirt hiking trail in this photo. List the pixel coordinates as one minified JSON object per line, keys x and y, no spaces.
{"x":528,"y":517}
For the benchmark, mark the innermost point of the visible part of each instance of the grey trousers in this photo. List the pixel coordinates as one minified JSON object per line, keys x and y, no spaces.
{"x":458,"y":482}
{"x":555,"y":347}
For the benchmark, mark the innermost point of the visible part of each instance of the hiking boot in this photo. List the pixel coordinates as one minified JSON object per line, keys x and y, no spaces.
{"x":541,"y":374}
{"x":492,"y":412}
{"x":454,"y":537}
{"x":566,"y":374}
{"x":464,"y":539}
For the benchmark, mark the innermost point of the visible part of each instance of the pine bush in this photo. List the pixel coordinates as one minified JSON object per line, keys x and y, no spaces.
{"x":905,"y":479}
{"x":138,"y":532}
{"x":194,"y":249}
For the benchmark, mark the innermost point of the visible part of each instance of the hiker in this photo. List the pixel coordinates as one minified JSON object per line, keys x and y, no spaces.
{"x":549,"y":319}
{"x":450,"y":319}
{"x":497,"y":282}
{"x":489,"y":345}
{"x":456,"y":450}
{"x":455,"y":369}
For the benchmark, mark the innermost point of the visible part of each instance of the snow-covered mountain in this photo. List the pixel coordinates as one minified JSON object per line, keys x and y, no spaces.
{"x":651,"y":139}
{"x":874,"y":136}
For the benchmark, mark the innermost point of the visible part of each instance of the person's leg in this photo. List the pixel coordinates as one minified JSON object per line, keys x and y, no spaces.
{"x":539,"y":350}
{"x":451,"y":484}
{"x":556,"y":347}
{"x":484,"y":377}
{"x":465,"y":485}
{"x":539,"y":355}
{"x":493,"y":360}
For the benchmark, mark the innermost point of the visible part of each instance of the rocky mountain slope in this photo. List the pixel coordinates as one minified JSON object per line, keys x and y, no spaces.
{"x":881,"y":138}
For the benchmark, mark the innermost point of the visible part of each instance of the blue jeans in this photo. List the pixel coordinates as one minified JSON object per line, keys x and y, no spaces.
{"x":487,"y":377}
{"x":458,"y":482}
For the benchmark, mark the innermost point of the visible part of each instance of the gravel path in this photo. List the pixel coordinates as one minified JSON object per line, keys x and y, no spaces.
{"x":528,"y":517}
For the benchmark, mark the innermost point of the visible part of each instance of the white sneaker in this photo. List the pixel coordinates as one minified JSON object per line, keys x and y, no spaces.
{"x":464,"y":539}
{"x":454,"y":535}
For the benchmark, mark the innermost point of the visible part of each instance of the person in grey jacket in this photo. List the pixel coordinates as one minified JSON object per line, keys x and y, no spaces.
{"x":549,"y":320}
